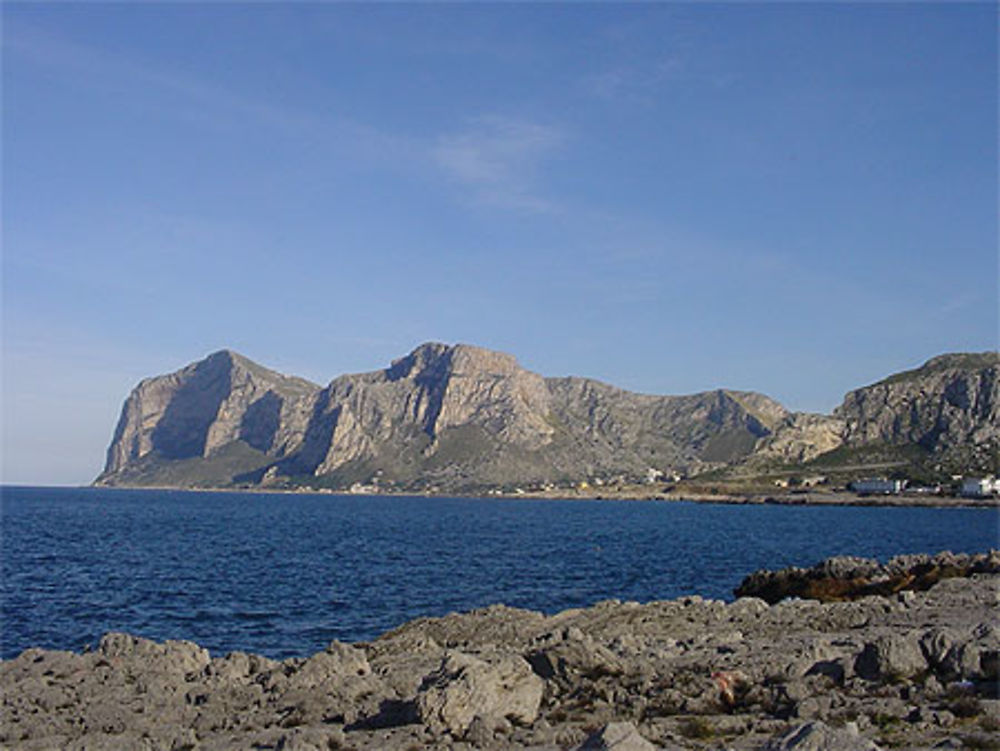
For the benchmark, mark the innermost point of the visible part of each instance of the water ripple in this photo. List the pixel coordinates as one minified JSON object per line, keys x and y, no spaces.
{"x":284,"y":575}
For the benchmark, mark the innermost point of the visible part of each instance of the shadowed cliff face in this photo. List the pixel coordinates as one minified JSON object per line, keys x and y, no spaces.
{"x":188,"y":417}
{"x":171,"y":415}
{"x":261,"y":421}
{"x":463,"y":417}
{"x":205,"y":407}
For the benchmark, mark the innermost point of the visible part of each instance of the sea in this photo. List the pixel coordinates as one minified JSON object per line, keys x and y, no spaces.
{"x":285,"y":574}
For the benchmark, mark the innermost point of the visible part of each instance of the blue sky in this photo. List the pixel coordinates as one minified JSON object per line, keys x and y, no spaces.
{"x":791,"y":198}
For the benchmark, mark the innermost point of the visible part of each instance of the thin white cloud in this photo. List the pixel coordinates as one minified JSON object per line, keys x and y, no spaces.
{"x":192,"y":98}
{"x":633,"y":83}
{"x":497,"y":157}
{"x":183,"y":95}
{"x":646,"y":83}
{"x":499,"y":160}
{"x":958,"y":303}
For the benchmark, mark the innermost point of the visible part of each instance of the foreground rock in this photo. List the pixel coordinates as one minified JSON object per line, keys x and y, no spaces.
{"x":910,"y":670}
{"x":817,"y":736}
{"x":466,"y":689}
{"x":848,"y":578}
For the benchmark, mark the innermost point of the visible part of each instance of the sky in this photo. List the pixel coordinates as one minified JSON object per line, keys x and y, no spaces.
{"x":791,"y":198}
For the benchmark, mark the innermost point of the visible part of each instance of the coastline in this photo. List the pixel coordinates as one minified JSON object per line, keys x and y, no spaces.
{"x":906,"y":669}
{"x":810,"y":497}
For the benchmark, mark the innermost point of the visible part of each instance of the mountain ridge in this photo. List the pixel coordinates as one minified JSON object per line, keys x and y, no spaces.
{"x":453,"y":417}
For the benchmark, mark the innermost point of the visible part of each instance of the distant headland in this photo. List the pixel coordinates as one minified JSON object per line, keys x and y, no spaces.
{"x":454,"y":419}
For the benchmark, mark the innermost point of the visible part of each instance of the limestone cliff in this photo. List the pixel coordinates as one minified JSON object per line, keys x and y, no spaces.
{"x":462,"y":417}
{"x":800,"y":437}
{"x":944,"y":413}
{"x":200,"y":411}
{"x":950,"y":407}
{"x":404,"y":420}
{"x":444,"y":416}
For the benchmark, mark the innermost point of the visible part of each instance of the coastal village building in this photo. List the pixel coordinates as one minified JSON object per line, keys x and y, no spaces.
{"x":877,"y":486}
{"x":804,"y":482}
{"x":980,"y":487}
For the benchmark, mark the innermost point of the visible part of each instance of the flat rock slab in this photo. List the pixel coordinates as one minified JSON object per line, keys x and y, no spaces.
{"x":818,"y":736}
{"x":617,"y":736}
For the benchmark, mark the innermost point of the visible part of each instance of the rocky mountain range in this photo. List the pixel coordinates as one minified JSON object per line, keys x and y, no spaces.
{"x":461,"y":418}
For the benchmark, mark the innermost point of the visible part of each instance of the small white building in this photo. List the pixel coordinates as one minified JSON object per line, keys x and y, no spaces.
{"x":814,"y":480}
{"x":877,"y":486}
{"x":359,"y":489}
{"x":979,"y":487}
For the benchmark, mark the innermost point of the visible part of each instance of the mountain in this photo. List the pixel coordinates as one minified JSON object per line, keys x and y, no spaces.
{"x":941,"y":417}
{"x":464,"y":418}
{"x":449,"y":417}
{"x":949,"y":407}
{"x":200,"y":425}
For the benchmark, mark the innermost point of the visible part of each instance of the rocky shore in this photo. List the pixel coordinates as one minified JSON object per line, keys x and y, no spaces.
{"x":912,"y":666}
{"x":810,"y":497}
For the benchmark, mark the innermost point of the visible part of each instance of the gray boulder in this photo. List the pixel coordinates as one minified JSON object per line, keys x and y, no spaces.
{"x":978,"y":659}
{"x":465,"y":687}
{"x":818,"y":736}
{"x":568,"y":655}
{"x":938,"y":642}
{"x":336,"y":685}
{"x":891,"y":656}
{"x":616,"y":736}
{"x":174,"y":657}
{"x":963,"y":653}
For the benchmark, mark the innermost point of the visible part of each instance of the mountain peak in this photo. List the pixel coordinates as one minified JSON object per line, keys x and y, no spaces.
{"x":961,"y":361}
{"x":467,"y":358}
{"x":224,"y":359}
{"x":232,"y":362}
{"x":452,"y":359}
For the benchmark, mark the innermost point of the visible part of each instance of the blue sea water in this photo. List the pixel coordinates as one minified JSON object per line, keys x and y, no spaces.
{"x":283,"y":575}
